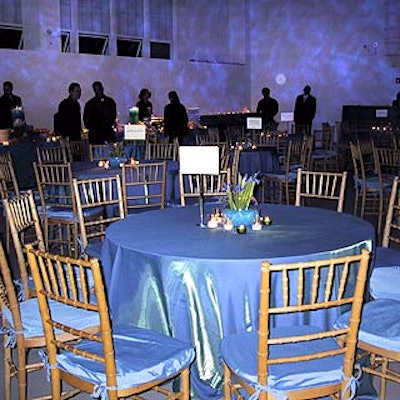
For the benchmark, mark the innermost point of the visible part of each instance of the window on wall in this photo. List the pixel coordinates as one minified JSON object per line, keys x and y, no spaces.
{"x":11,"y":33}
{"x":131,"y":28}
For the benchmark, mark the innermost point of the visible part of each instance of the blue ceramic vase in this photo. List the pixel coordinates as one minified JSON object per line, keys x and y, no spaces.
{"x":241,"y":217}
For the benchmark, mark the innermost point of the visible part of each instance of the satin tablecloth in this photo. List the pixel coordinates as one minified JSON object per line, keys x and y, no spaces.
{"x":165,"y":273}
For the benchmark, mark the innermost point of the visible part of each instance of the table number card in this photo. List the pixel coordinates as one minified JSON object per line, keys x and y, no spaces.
{"x":381,"y":113}
{"x":134,"y":132}
{"x":254,"y":123}
{"x":199,"y":160}
{"x":287,"y":116}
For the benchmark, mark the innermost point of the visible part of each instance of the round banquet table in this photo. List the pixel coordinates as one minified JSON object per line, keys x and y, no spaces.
{"x":165,"y":273}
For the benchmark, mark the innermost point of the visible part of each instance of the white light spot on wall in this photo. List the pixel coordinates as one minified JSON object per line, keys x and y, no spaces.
{"x":280,"y":79}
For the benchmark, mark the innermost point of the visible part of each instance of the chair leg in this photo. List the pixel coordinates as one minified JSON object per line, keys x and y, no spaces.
{"x":185,"y":384}
{"x":384,"y":370}
{"x":7,"y":371}
{"x":227,"y":383}
{"x":22,"y":373}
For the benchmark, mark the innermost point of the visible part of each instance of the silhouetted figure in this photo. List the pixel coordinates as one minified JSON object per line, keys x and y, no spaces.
{"x":67,"y":121}
{"x":304,"y":111}
{"x":396,"y":102}
{"x":99,"y":116}
{"x":144,"y":105}
{"x":268,"y":108}
{"x":175,"y":118}
{"x":8,"y":102}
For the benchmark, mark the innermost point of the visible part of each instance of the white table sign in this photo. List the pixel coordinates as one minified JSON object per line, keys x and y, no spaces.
{"x":199,"y":160}
{"x":134,"y":132}
{"x":287,"y":116}
{"x":381,"y":113}
{"x":254,"y":122}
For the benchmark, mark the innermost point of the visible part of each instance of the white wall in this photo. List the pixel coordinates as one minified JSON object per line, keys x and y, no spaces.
{"x":328,"y":44}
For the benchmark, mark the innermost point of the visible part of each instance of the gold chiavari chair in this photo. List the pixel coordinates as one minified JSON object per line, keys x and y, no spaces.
{"x":143,"y":186}
{"x":313,"y":357}
{"x":52,"y":155}
{"x":102,"y":363}
{"x":99,"y":203}
{"x":329,"y":186}
{"x":23,"y":219}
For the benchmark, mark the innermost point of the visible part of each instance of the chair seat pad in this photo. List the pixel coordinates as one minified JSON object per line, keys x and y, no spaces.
{"x":384,"y":283}
{"x":67,"y":213}
{"x":386,"y":257}
{"x":288,"y":376}
{"x":141,"y":356}
{"x":291,"y":176}
{"x":380,"y":324}
{"x":32,"y":322}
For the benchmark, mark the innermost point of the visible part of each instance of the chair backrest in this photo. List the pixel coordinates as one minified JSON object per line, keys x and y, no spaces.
{"x":98,"y":152}
{"x":323,"y":138}
{"x":213,"y":186}
{"x":8,"y":179}
{"x":92,"y":196}
{"x":79,"y":150}
{"x":25,"y":228}
{"x":391,"y":232}
{"x":8,"y":296}
{"x":64,"y":280}
{"x":54,"y":182}
{"x":321,"y":185}
{"x":162,"y":151}
{"x":52,"y":155}
{"x":326,"y":287}
{"x":143,"y":185}
{"x":387,"y":160}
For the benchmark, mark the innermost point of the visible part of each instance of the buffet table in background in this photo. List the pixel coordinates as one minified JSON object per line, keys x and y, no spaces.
{"x":165,"y":273}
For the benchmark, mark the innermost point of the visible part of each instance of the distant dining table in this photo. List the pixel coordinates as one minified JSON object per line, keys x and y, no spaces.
{"x":166,"y":273}
{"x":262,"y":160}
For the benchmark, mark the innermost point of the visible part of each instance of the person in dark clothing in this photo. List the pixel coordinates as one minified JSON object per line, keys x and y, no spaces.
{"x":304,"y":111}
{"x":8,"y":102}
{"x":268,"y":108}
{"x":144,"y":105}
{"x":396,"y":101}
{"x":67,"y":121}
{"x":175,"y":118}
{"x":99,"y":116}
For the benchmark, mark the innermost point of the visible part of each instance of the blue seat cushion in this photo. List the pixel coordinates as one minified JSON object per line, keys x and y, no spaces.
{"x":67,"y":213}
{"x":32,"y":322}
{"x":384,"y":283}
{"x":292,"y":176}
{"x":141,"y":356}
{"x":239,"y":351}
{"x":380,"y":324}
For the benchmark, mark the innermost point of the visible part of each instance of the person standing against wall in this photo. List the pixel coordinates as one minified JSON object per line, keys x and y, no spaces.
{"x":144,"y":104}
{"x":304,"y":111}
{"x":8,"y":102}
{"x":268,"y":108}
{"x":67,"y":121}
{"x":99,"y":116}
{"x":175,"y":118}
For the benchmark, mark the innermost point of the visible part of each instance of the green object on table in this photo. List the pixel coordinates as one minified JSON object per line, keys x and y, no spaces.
{"x":133,"y":115}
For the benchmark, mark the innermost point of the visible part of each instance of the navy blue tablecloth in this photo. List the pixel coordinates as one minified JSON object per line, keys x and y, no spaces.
{"x":165,"y":273}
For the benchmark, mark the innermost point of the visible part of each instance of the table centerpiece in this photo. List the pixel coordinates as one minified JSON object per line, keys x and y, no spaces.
{"x":239,"y":199}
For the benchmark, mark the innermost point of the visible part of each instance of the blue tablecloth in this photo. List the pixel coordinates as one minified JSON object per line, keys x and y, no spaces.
{"x":91,"y":170}
{"x":260,"y":160}
{"x":166,"y":273}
